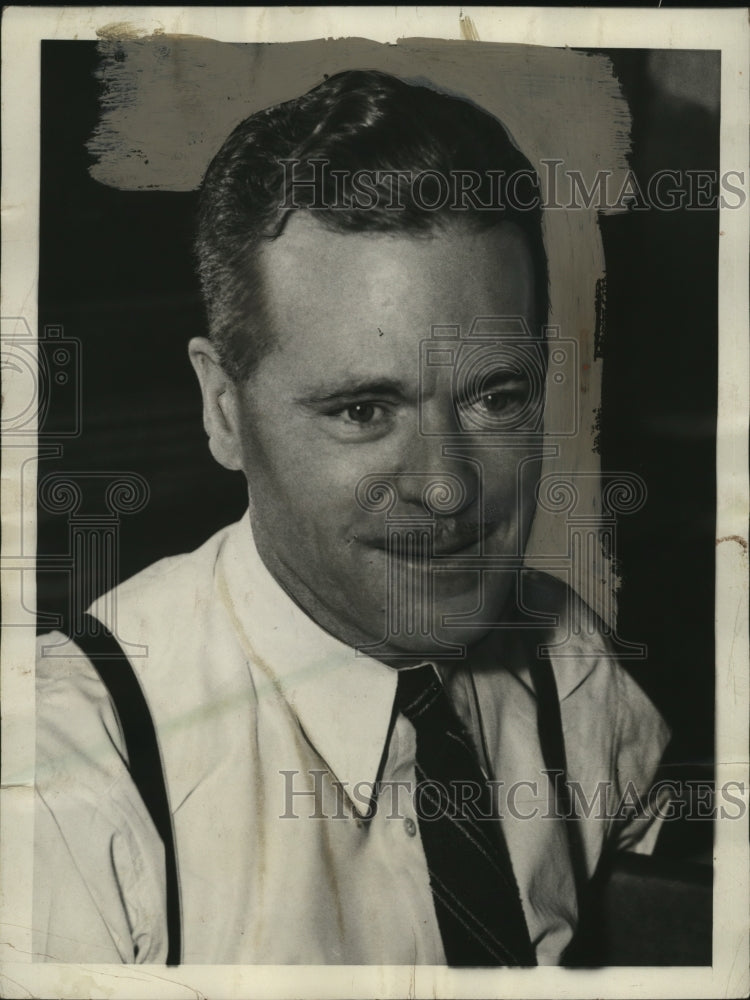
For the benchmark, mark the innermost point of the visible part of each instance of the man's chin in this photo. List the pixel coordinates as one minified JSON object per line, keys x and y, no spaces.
{"x":445,"y":644}
{"x":453,"y":623}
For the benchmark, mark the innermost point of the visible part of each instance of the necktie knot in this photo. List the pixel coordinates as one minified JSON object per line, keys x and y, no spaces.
{"x":418,"y":689}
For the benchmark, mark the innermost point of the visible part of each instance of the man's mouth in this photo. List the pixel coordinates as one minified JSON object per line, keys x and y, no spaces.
{"x":447,"y":540}
{"x":453,"y":544}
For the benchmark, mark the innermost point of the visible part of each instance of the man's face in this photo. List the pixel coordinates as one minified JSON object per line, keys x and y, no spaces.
{"x":338,"y":399}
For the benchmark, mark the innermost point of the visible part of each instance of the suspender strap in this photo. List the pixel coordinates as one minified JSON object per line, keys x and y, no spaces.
{"x":142,"y":747}
{"x":549,"y":725}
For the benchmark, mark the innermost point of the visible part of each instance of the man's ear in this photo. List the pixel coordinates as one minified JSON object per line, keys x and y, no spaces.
{"x":220,"y":411}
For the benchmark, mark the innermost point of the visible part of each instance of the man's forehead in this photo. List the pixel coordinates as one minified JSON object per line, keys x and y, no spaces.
{"x":314,"y":275}
{"x":306,"y":232}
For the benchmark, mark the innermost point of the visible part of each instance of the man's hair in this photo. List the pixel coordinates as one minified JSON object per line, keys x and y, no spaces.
{"x":305,"y":155}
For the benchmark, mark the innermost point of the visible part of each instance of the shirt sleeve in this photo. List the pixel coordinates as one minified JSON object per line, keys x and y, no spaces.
{"x":641,"y":737}
{"x":99,"y":874}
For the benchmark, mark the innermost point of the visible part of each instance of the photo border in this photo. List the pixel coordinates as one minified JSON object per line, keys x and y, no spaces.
{"x":726,"y":30}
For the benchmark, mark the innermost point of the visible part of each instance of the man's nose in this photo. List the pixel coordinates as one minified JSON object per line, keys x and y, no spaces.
{"x":435,"y":477}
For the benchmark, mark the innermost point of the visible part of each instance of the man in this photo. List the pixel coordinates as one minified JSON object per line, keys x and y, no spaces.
{"x":355,"y":724}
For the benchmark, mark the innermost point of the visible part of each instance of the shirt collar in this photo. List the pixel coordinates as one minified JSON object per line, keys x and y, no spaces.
{"x":342,"y":700}
{"x":575,"y":643}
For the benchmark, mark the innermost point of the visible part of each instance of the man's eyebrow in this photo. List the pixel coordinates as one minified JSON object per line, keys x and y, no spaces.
{"x":353,"y":388}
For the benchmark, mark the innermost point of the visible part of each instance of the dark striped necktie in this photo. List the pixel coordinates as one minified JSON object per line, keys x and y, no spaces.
{"x":476,"y":898}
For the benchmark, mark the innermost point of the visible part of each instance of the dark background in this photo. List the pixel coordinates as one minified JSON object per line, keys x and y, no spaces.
{"x":116,"y":273}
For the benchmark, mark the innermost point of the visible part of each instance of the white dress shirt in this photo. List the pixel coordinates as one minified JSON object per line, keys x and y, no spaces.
{"x":256,"y":707}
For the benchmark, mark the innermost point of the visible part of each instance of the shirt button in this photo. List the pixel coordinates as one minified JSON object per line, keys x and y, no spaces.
{"x":410,"y":826}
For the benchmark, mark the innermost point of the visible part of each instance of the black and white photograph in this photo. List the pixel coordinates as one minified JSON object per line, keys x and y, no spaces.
{"x":375,"y":502}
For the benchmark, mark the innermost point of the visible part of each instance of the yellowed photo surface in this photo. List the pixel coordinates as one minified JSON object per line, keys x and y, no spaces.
{"x":374,"y":561}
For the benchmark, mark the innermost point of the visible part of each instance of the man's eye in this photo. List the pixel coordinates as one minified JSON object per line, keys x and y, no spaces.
{"x":496,"y":407}
{"x":361,"y":413}
{"x":497,"y":401}
{"x":499,"y":398}
{"x":360,"y":420}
